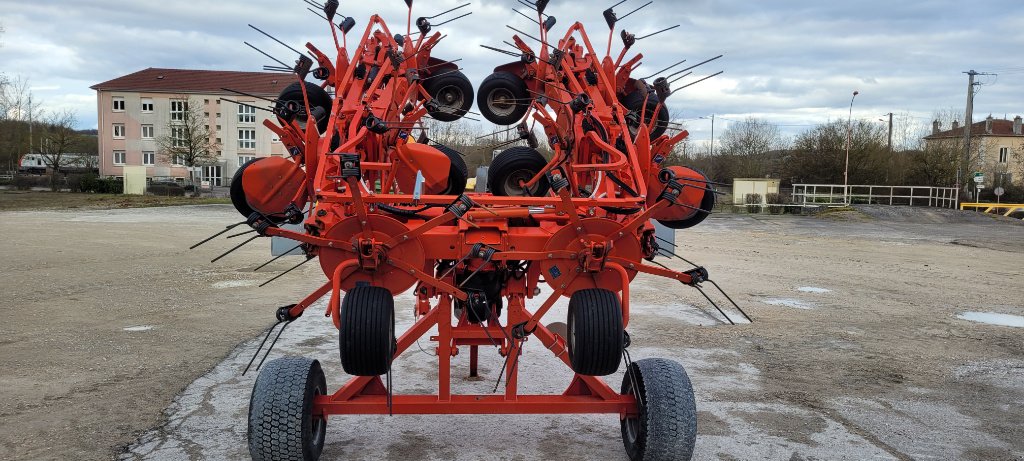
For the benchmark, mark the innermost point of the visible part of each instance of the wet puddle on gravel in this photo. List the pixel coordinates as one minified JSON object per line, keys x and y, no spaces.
{"x":993,"y":318}
{"x":786,"y":302}
{"x":139,"y":328}
{"x":813,"y":290}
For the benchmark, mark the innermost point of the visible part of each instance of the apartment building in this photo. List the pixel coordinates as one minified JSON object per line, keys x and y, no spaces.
{"x":137,"y":109}
{"x":998,"y":145}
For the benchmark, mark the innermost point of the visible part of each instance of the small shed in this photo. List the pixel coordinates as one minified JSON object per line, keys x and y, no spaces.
{"x":743,"y":186}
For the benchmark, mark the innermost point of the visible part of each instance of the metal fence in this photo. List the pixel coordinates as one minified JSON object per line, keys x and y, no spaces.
{"x":839,"y":195}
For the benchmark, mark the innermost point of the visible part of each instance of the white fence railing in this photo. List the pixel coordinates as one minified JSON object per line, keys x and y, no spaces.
{"x":839,"y":195}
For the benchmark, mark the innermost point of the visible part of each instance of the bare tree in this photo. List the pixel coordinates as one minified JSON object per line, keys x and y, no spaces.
{"x":750,"y":145}
{"x":188,"y":139}
{"x":57,"y":138}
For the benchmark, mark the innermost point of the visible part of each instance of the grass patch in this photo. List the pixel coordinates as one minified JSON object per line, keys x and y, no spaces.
{"x":38,"y":200}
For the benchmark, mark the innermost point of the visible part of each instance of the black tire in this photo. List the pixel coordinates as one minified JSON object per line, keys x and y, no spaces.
{"x":514,"y":164}
{"x":458,"y":173}
{"x":595,"y":332}
{"x":706,"y":203}
{"x":666,"y":428}
{"x":502,"y":98}
{"x":281,"y":421}
{"x":634,"y":100}
{"x":454,"y":92}
{"x":366,"y":339}
{"x":317,"y":98}
{"x":238,"y":193}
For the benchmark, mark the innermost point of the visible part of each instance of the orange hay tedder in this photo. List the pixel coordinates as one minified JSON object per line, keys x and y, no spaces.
{"x":386,"y":211}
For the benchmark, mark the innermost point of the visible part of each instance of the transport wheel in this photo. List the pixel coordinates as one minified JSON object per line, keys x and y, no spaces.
{"x":238,"y":194}
{"x":515,"y":164}
{"x":281,"y":421}
{"x":502,"y":98}
{"x":317,"y":98}
{"x":595,"y":333}
{"x":666,"y":426}
{"x":706,"y":203}
{"x":458,"y":174}
{"x":367,"y":336}
{"x":454,"y":92}
{"x":634,"y":100}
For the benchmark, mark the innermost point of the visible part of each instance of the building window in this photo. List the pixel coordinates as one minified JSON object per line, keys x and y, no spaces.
{"x":148,"y":158}
{"x":178,"y":160}
{"x":118,"y":131}
{"x":275,"y":138}
{"x":178,"y":136}
{"x":118,"y":104}
{"x":147,"y":131}
{"x":118,"y":157}
{"x":243,"y":159}
{"x":247,"y":138}
{"x":1004,"y":152}
{"x":147,"y":105}
{"x":178,"y":108}
{"x":246,"y":114}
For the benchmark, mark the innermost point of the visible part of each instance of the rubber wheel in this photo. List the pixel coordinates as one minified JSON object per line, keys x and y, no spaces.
{"x":595,"y":333}
{"x":502,"y":98}
{"x":317,"y":98}
{"x":281,"y":421}
{"x":238,"y":194}
{"x":634,"y":100}
{"x":458,"y":174}
{"x":454,"y":92}
{"x":367,"y":336}
{"x":706,"y":203}
{"x":513,"y":165}
{"x":666,"y":427}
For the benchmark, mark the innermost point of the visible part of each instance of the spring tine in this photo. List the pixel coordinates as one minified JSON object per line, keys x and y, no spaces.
{"x":716,"y":305}
{"x":287,"y":271}
{"x":271,"y":347}
{"x":207,"y":239}
{"x":235,"y":248}
{"x":663,"y":70}
{"x":453,"y":19}
{"x":525,"y":16}
{"x":241,"y":233}
{"x":447,"y":11}
{"x":698,"y":81}
{"x":693,"y":66}
{"x":277,"y":257}
{"x":264,"y":53}
{"x":257,"y":29}
{"x":258,"y":349}
{"x":658,"y":32}
{"x":731,"y":301}
{"x":634,"y":11}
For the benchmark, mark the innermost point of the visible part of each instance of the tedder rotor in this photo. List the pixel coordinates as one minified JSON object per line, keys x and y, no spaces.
{"x":385,"y":211}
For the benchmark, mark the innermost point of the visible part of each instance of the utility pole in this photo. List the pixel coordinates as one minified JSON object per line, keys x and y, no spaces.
{"x":890,"y":134}
{"x":712,"y":117}
{"x":849,"y":140}
{"x":965,"y":162}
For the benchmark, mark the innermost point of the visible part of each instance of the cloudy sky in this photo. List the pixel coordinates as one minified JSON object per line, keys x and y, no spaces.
{"x":793,"y":63}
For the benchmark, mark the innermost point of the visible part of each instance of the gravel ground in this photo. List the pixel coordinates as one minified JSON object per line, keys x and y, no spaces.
{"x":856,"y":352}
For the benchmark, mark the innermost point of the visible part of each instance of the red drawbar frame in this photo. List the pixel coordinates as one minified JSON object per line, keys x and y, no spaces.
{"x":584,"y":394}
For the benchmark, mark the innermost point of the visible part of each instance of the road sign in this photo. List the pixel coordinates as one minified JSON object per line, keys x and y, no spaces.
{"x":979,"y":177}
{"x":998,"y":191}
{"x":980,"y":186}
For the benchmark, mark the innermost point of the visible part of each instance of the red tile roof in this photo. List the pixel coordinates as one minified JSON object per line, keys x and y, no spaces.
{"x":198,"y":81}
{"x":1000,"y":127}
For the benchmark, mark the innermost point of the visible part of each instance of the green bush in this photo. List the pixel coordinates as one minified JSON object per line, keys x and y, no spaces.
{"x":776,"y":203}
{"x":753,"y":202}
{"x":28,"y":181}
{"x":85,"y":182}
{"x":109,"y":186}
{"x":166,"y":189}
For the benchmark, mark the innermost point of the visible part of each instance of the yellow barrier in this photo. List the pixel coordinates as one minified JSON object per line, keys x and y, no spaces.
{"x":994,"y":207}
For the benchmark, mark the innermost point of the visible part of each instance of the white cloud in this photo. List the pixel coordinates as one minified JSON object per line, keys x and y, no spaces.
{"x":790,"y":62}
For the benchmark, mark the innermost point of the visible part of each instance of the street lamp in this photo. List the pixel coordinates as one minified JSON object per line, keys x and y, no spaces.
{"x":849,"y":135}
{"x":712,"y":117}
